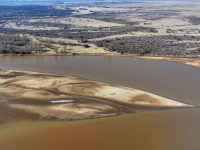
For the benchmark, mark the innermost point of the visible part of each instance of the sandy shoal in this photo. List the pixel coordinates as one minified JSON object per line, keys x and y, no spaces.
{"x":33,"y":92}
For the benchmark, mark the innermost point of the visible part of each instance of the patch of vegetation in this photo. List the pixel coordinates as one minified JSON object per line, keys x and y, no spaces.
{"x":31,"y":11}
{"x":152,"y":45}
{"x":195,"y":20}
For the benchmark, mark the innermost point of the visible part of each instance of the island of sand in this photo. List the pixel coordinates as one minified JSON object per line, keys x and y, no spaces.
{"x":29,"y":95}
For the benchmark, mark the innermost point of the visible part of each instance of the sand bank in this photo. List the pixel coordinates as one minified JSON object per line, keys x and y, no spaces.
{"x":61,"y":97}
{"x":185,"y":60}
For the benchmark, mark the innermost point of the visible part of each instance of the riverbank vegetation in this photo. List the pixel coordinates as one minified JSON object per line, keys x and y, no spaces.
{"x":104,"y":27}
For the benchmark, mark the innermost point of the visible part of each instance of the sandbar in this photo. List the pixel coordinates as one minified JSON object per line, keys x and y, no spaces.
{"x":50,"y":96}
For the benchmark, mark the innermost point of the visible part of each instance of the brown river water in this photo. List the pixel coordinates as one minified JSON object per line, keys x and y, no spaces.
{"x":177,"y":129}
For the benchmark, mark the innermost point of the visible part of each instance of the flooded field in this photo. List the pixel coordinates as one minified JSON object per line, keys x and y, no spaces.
{"x":167,"y":129}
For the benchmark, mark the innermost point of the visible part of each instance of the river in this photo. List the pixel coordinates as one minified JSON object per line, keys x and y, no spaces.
{"x":166,"y":130}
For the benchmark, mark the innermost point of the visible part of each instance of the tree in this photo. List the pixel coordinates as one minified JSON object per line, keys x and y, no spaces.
{"x":62,"y":51}
{"x":40,"y":48}
{"x":55,"y":50}
{"x":65,"y":47}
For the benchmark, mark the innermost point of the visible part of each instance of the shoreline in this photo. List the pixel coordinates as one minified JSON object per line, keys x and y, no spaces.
{"x":187,"y":60}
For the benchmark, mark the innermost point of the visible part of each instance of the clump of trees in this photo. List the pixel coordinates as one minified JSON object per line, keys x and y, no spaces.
{"x":16,"y":44}
{"x":153,"y":45}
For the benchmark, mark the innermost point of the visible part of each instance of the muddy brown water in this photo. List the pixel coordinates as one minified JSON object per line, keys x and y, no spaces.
{"x":176,"y":129}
